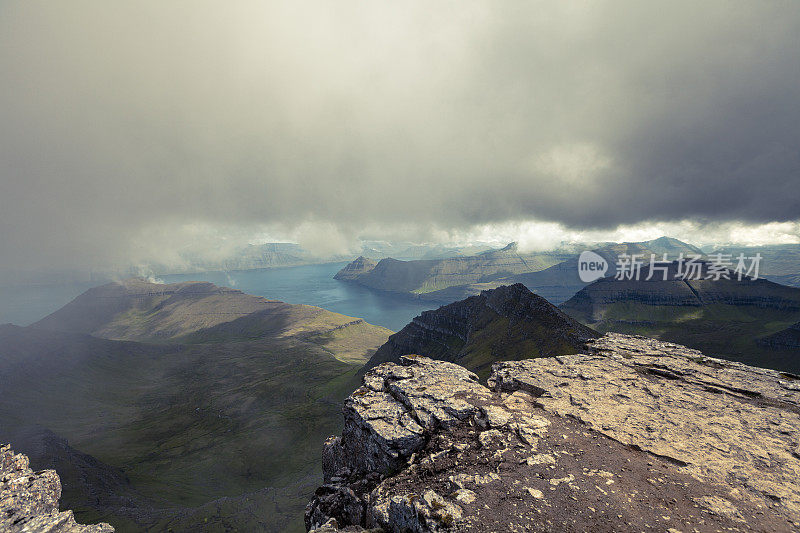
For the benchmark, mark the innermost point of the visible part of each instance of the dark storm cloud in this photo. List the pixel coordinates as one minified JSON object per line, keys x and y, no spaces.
{"x":125,"y":123}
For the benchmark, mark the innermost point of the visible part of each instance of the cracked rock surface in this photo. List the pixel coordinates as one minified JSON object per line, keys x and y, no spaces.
{"x":29,"y":500}
{"x":634,"y":435}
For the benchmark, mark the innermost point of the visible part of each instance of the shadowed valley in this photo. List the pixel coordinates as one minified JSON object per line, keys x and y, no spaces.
{"x":213,"y":415}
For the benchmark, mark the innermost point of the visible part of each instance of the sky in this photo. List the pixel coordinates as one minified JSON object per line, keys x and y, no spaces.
{"x":130,"y":131}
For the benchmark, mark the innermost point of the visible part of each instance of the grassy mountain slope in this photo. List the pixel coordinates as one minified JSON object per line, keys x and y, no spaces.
{"x":726,"y":318}
{"x":505,"y":323}
{"x":87,"y":483}
{"x":202,"y":312}
{"x":188,"y":425}
{"x":356,"y":268}
{"x":207,"y":419}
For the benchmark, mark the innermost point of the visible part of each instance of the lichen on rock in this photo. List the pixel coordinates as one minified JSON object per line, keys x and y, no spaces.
{"x":29,"y":500}
{"x":634,"y":435}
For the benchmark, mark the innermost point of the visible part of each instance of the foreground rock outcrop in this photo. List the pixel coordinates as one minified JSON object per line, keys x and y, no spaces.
{"x":29,"y":500}
{"x":634,"y":435}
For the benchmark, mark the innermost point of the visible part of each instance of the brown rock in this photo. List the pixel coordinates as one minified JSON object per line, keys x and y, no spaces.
{"x":29,"y":500}
{"x":636,"y":435}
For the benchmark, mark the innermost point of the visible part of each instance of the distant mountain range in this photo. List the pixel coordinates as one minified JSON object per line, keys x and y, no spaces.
{"x":756,"y":322}
{"x":751,"y":321}
{"x":426,"y":278}
{"x":748,"y":320}
{"x":273,"y":254}
{"x":552,"y":275}
{"x":559,"y":282}
{"x":192,"y":404}
{"x":506,"y":323}
{"x":780,"y":262}
{"x":287,"y":254}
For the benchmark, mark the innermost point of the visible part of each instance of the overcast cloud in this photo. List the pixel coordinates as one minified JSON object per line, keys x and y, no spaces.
{"x":126,"y":126}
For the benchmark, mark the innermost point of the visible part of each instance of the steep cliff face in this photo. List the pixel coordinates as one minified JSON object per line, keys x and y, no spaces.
{"x":29,"y":500}
{"x":634,"y":435}
{"x":508,"y":322}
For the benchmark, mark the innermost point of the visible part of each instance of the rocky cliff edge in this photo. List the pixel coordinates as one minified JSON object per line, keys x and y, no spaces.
{"x":635,"y":435}
{"x":29,"y":500}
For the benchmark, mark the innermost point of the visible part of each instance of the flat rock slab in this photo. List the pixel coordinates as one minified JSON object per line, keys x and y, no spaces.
{"x":718,"y":420}
{"x":635,"y":435}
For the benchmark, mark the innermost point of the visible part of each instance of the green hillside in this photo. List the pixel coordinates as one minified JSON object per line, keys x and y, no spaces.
{"x":725,"y":318}
{"x":220,"y":422}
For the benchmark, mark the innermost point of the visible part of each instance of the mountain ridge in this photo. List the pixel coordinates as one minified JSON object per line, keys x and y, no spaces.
{"x":508,"y":322}
{"x":729,"y":317}
{"x":138,"y":310}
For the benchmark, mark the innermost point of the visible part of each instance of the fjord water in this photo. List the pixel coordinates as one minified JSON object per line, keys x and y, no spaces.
{"x":25,"y":304}
{"x":314,"y":285}
{"x":308,"y":284}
